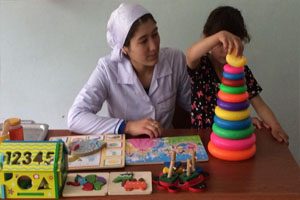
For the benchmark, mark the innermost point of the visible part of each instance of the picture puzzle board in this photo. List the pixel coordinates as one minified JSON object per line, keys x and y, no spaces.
{"x":132,"y":186}
{"x":158,"y":150}
{"x":112,"y":155}
{"x":128,"y":183}
{"x":76,"y":191}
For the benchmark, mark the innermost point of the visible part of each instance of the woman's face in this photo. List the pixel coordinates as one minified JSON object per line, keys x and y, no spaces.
{"x":143,"y":49}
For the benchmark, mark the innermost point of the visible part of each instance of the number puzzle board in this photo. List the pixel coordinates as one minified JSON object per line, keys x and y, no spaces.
{"x":117,"y":189}
{"x":111,"y":156}
{"x":76,"y":191}
{"x":158,"y":150}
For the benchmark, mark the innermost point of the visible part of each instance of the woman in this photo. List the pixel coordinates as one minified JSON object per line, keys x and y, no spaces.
{"x":139,"y":81}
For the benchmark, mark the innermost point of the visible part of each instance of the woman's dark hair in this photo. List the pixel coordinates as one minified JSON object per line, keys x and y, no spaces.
{"x":135,"y":25}
{"x":226,"y":18}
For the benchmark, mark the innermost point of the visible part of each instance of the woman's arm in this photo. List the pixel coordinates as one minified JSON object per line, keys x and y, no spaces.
{"x":268,"y":117}
{"x":226,"y":39}
{"x":82,"y":116}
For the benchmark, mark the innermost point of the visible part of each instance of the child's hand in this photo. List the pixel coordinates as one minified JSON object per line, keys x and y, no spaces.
{"x":231,"y":43}
{"x":277,"y":132}
{"x":259,"y":124}
{"x":148,"y":126}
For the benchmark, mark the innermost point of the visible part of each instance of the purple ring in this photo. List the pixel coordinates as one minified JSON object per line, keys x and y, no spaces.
{"x":233,"y":106}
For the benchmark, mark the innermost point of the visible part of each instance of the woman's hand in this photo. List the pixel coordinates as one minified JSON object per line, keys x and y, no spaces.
{"x":148,"y":126}
{"x":276,"y":130}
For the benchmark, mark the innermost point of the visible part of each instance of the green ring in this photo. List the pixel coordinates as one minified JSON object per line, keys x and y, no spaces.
{"x":232,"y":134}
{"x":233,"y":90}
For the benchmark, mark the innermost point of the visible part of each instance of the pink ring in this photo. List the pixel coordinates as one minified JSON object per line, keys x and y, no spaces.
{"x":233,"y":70}
{"x":233,"y":145}
{"x":231,"y":155}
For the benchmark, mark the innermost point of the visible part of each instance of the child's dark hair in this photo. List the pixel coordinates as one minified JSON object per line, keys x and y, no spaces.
{"x":226,"y":18}
{"x":135,"y":25}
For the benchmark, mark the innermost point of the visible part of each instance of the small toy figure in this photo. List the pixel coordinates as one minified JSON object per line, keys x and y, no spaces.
{"x":123,"y":177}
{"x":135,"y":184}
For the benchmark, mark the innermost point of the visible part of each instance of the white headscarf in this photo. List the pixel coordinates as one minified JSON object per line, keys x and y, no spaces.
{"x":119,"y":24}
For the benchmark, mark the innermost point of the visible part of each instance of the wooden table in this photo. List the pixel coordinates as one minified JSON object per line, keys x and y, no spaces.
{"x":271,"y":174}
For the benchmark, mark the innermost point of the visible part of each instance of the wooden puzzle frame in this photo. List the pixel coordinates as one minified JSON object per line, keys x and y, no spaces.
{"x":111,"y":156}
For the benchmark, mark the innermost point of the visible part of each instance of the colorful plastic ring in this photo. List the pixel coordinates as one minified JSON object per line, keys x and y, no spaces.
{"x":233,"y":90}
{"x":233,"y":76}
{"x":233,"y":98}
{"x":233,"y":125}
{"x":233,"y":83}
{"x":231,"y":155}
{"x":235,"y":61}
{"x":233,"y":70}
{"x":232,"y":115}
{"x":233,"y":145}
{"x":232,"y":134}
{"x":233,"y":106}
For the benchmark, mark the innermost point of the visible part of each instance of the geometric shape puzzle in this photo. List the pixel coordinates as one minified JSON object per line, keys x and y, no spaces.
{"x":73,"y":190}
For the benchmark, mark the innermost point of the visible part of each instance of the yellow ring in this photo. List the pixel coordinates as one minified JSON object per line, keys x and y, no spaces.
{"x":235,"y":61}
{"x":232,"y":115}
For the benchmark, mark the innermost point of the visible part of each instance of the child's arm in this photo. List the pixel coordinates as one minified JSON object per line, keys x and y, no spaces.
{"x":201,"y":47}
{"x":268,"y":117}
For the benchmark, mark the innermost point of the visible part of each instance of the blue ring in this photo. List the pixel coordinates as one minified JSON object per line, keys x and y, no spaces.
{"x":233,"y":125}
{"x":233,"y":106}
{"x":233,"y":76}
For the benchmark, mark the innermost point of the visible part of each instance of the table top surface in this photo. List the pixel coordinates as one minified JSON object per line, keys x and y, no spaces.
{"x":271,"y":174}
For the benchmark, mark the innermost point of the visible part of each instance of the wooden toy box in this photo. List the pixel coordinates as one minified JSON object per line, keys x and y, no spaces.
{"x":32,"y":169}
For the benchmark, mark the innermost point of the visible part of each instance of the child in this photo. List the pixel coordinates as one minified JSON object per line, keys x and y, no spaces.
{"x":139,"y":80}
{"x":224,"y":32}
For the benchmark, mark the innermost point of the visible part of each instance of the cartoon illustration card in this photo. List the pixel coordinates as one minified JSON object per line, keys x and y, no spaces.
{"x":158,"y":150}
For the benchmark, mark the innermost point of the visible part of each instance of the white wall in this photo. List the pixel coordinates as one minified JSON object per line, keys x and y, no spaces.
{"x":50,"y":47}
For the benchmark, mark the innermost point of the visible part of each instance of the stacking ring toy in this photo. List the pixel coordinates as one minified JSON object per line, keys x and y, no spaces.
{"x":232,"y":115}
{"x":232,"y":134}
{"x":231,"y":155}
{"x":233,"y":76}
{"x":233,"y":90}
{"x":233,"y":98}
{"x":233,"y":125}
{"x":233,"y":106}
{"x":233,"y":70}
{"x":233,"y":145}
{"x":233,"y":83}
{"x":235,"y":61}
